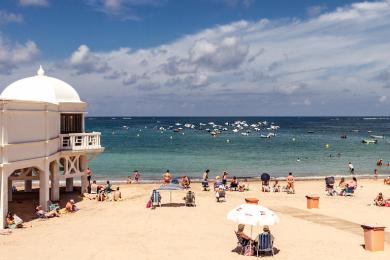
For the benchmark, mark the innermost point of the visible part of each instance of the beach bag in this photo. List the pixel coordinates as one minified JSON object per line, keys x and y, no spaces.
{"x":149,"y":204}
{"x":387,"y":203}
{"x":248,"y":250}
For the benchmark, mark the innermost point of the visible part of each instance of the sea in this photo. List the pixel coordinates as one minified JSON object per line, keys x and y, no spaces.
{"x":305,"y":146}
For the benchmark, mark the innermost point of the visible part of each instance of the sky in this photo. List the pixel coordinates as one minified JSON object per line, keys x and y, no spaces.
{"x":205,"y":57}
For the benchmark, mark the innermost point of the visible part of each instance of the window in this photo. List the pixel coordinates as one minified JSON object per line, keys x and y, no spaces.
{"x":71,"y":123}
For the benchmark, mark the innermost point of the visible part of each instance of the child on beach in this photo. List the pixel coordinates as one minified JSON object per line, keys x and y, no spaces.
{"x":13,"y":221}
{"x":290,"y":183}
{"x":276,"y":186}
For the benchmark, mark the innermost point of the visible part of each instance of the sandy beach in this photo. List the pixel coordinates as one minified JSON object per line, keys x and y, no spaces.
{"x":127,"y":229}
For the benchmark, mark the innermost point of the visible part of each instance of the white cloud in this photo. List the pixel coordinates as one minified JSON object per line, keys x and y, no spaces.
{"x":8,"y":17}
{"x":34,"y":2}
{"x":339,"y":58}
{"x":382,"y":99}
{"x":14,"y":54}
{"x":84,"y":61}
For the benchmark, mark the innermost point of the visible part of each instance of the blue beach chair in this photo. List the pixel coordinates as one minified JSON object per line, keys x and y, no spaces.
{"x":156,"y":199}
{"x":265,"y":244}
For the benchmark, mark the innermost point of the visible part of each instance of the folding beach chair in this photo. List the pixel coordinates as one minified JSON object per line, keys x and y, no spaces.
{"x":205,"y":186}
{"x":156,"y":199}
{"x":329,"y":184}
{"x":220,"y":195}
{"x":265,"y":244}
{"x":190,"y":199}
{"x":241,"y":244}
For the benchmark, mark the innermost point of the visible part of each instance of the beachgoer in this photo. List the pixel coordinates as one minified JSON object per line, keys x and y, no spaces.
{"x":387,"y":180}
{"x":351,"y":168}
{"x":71,"y":206}
{"x":129,"y":179}
{"x":185,"y":182}
{"x":167,"y":177}
{"x":376,"y":174}
{"x":225,"y":177}
{"x":353,"y":183}
{"x":137,"y":176}
{"x":243,"y":186}
{"x":205,"y":176}
{"x":379,"y":162}
{"x":290,"y":183}
{"x":241,"y":235}
{"x":234,"y":183}
{"x":276,"y":186}
{"x":13,"y":221}
{"x":218,"y":183}
{"x":266,"y":231}
{"x":43,"y":214}
{"x":117,"y":195}
{"x":379,"y":200}
{"x":94,"y":187}
{"x":342,"y":185}
{"x":89,"y":176}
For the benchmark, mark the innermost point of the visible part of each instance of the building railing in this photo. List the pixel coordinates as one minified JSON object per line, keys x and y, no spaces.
{"x":80,"y":141}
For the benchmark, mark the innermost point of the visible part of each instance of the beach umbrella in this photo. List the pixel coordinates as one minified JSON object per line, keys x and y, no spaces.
{"x":254,"y":215}
{"x":170,"y":187}
{"x":265,"y":177}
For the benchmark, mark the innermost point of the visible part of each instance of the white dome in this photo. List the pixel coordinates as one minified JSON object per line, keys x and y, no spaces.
{"x":41,"y":88}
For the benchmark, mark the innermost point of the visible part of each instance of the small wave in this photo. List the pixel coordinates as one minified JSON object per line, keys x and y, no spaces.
{"x":376,"y":118}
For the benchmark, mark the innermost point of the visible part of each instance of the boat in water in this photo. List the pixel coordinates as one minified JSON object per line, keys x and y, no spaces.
{"x":369,"y":141}
{"x":377,"y":136}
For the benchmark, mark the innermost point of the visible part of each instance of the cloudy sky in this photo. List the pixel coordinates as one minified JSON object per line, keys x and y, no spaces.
{"x":205,"y":57}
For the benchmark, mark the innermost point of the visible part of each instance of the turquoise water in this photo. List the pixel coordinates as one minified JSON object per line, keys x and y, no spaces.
{"x":137,"y":143}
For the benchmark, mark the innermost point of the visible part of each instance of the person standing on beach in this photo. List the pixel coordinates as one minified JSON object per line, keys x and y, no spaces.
{"x":89,"y":176}
{"x":290,"y":183}
{"x":351,"y":168}
{"x":224,"y":178}
{"x":205,"y":176}
{"x":376,"y":174}
{"x":136,"y":176}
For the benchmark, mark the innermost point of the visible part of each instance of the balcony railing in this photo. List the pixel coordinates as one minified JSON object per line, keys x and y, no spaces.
{"x":80,"y":141}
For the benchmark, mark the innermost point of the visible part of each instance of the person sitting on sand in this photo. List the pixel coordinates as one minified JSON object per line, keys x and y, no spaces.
{"x":243,"y":186}
{"x":379,"y":200}
{"x":185,"y":182}
{"x":43,"y":214}
{"x":341,"y":186}
{"x":244,"y":238}
{"x":129,"y":180}
{"x":13,"y":221}
{"x":117,"y":195}
{"x":266,"y":231}
{"x":167,"y":177}
{"x":290,"y":183}
{"x":71,"y":206}
{"x":234,"y":183}
{"x":386,"y":181}
{"x":353,"y":183}
{"x":276,"y":186}
{"x":94,"y":187}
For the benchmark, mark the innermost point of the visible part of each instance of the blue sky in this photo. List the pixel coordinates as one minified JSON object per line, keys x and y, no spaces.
{"x":205,"y":57}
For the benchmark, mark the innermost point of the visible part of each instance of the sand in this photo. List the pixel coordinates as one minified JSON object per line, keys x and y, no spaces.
{"x":127,"y":230}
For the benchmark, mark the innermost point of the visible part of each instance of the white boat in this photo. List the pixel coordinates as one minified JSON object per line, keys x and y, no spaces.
{"x":245,"y":134}
{"x":377,"y":136}
{"x":369,"y":141}
{"x":235,"y":130}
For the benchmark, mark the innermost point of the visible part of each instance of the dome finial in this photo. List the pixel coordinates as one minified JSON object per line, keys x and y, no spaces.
{"x":40,"y":71}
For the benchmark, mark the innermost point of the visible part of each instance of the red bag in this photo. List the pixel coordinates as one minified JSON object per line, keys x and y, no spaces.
{"x":149,"y":204}
{"x":249,"y":250}
{"x":387,"y":203}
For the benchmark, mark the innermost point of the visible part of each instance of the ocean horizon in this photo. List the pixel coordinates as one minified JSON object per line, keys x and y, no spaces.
{"x":306,"y":146}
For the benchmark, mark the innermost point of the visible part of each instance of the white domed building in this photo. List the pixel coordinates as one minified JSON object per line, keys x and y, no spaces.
{"x":43,"y":139}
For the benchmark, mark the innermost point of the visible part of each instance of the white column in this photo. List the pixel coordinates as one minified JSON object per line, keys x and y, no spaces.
{"x":3,"y":197}
{"x":55,"y":182}
{"x":27,"y":185}
{"x":84,"y":180}
{"x":69,"y":184}
{"x":9,"y":190}
{"x":44,"y":186}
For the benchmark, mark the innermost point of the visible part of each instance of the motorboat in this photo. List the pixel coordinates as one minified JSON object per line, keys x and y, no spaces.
{"x":369,"y":141}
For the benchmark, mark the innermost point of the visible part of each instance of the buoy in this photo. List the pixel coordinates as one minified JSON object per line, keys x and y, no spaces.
{"x":227,"y":140}
{"x":327,"y":145}
{"x":171,"y":137}
{"x":293,"y":139}
{"x":137,"y":135}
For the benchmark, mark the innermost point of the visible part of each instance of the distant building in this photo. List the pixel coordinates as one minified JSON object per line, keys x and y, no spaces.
{"x":42,"y":137}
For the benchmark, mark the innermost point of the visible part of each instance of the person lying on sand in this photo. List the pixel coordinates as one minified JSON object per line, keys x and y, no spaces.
{"x":379,"y":200}
{"x":43,"y":214}
{"x":13,"y":221}
{"x":71,"y":206}
{"x":117,"y":195}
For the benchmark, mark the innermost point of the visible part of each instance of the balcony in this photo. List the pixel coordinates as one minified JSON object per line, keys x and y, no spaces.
{"x":80,"y":141}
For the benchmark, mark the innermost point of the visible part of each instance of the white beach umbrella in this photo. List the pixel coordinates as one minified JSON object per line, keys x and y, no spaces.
{"x":254,"y":215}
